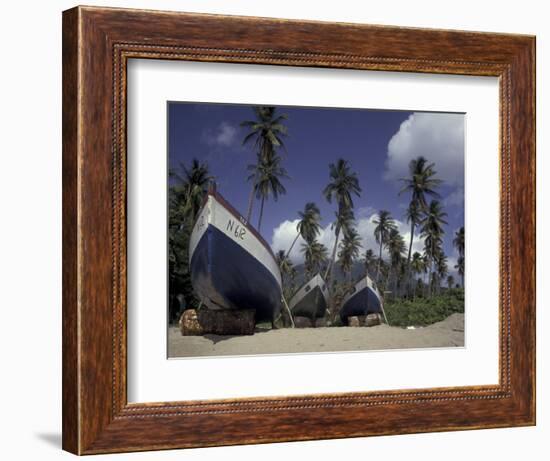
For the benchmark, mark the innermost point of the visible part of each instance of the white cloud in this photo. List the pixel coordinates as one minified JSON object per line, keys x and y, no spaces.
{"x":224,"y":135}
{"x":285,"y":233}
{"x":438,"y":137}
{"x":283,"y":236}
{"x":405,"y":231}
{"x":455,"y":198}
{"x":365,"y":212}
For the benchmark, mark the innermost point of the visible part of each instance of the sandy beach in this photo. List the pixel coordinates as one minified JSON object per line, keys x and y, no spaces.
{"x":448,"y":333}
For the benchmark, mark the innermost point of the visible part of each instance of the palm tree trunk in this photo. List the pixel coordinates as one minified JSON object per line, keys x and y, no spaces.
{"x":410,"y":244}
{"x":424,"y":293}
{"x":432,"y":270}
{"x":395,"y":278}
{"x":432,"y":281}
{"x":409,"y":258}
{"x":428,"y":272}
{"x":251,"y":198}
{"x":292,"y":246}
{"x":331,"y":263}
{"x":328,"y":273}
{"x":379,"y":261}
{"x":461,"y":254}
{"x":428,"y":275}
{"x":261,"y":214}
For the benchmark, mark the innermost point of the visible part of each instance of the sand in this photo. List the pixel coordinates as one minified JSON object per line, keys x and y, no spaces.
{"x":448,"y":333}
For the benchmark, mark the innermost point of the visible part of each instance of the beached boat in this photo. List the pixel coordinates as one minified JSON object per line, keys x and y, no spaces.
{"x":231,"y":265}
{"x":311,"y":300}
{"x":364,"y":299}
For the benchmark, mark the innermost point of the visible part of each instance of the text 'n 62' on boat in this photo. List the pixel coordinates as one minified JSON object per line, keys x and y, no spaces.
{"x":363,"y":299}
{"x":232,"y":267}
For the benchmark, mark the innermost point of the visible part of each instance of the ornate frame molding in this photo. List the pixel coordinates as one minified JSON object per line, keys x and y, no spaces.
{"x":97,"y":44}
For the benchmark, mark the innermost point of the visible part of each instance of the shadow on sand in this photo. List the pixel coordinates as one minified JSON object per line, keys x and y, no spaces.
{"x":219,"y":338}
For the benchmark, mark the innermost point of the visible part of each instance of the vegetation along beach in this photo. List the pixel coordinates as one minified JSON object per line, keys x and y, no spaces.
{"x":318,"y":229}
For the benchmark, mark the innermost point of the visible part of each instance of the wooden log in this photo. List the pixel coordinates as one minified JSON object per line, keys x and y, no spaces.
{"x":321,"y":322}
{"x":202,"y":322}
{"x":189,"y":323}
{"x":373,"y":320}
{"x":353,"y":321}
{"x":302,"y":322}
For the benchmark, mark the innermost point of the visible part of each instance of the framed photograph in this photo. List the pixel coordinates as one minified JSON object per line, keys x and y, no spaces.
{"x":284,"y":230}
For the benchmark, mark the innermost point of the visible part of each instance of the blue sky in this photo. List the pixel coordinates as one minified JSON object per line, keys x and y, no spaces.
{"x":378,"y":144}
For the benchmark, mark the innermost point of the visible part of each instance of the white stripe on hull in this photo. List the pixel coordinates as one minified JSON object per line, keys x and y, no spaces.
{"x":215,"y":214}
{"x":316,"y":281}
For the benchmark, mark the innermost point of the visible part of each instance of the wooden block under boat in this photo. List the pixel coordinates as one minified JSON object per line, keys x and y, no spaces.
{"x":227,"y":322}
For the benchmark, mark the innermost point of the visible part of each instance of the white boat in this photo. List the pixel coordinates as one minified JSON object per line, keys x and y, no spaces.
{"x":363,"y":299}
{"x":231,"y":265}
{"x":311,"y":299}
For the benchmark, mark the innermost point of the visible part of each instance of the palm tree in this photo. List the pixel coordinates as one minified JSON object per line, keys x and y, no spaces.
{"x":432,"y":231}
{"x":266,"y":133}
{"x":320,"y":254}
{"x":383,"y":280}
{"x":418,"y":266}
{"x":343,"y":184}
{"x":413,"y":215}
{"x":442,"y":268}
{"x":433,"y":246}
{"x":185,"y":196}
{"x":396,"y":248}
{"x":267,"y":174}
{"x":288,"y":271}
{"x":284,"y":262}
{"x":308,"y":226}
{"x":385,"y":274}
{"x":192,"y":185}
{"x":458,"y":243}
{"x":370,"y":261}
{"x":425,"y":270}
{"x":417,"y":263}
{"x":315,"y":254}
{"x":384,"y":225}
{"x":344,"y":222}
{"x":450,"y":281}
{"x":460,"y":268}
{"x":349,"y":251}
{"x":420,"y":183}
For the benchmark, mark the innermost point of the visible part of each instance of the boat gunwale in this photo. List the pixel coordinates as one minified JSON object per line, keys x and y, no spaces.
{"x":305,"y":283}
{"x":233,"y":211}
{"x":375,"y":290}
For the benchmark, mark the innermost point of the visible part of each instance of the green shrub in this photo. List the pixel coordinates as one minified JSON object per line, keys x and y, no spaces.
{"x":425,"y":311}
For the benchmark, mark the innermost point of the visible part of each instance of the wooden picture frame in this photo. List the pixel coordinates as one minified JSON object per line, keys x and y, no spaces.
{"x":97,"y":43}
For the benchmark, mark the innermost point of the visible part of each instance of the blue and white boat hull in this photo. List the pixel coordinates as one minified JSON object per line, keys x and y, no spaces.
{"x":231,"y":266}
{"x":311,"y":299}
{"x":363,"y":300}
